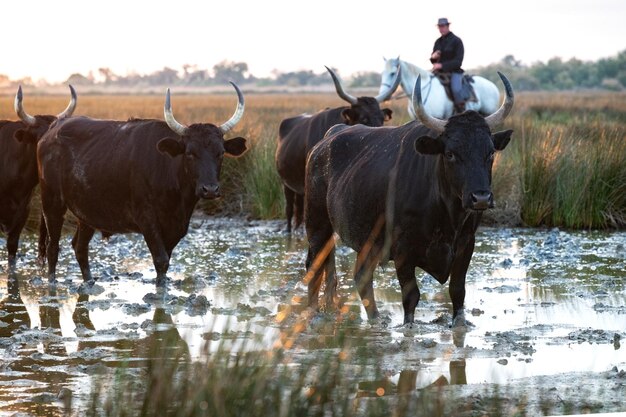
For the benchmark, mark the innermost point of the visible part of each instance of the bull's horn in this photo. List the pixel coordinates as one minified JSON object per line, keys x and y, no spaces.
{"x":394,"y":86}
{"x":69,"y":110}
{"x":504,"y":110}
{"x":19,"y":109}
{"x":340,"y":91}
{"x":178,"y":128}
{"x":236,"y":117}
{"x":427,"y":120}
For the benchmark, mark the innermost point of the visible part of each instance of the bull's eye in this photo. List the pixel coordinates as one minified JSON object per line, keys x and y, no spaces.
{"x":449,"y":156}
{"x":365,"y":120}
{"x":189,"y":156}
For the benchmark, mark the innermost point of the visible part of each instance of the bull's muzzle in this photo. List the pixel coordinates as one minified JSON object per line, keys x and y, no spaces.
{"x":481,"y":200}
{"x":208,"y":192}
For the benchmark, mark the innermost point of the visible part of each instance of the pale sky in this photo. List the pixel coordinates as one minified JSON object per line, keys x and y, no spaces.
{"x":52,"y":39}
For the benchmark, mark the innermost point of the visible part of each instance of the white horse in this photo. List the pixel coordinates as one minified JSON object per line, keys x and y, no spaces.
{"x":436,"y":102}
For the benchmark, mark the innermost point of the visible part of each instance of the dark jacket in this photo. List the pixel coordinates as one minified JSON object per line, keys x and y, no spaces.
{"x":451,"y":47}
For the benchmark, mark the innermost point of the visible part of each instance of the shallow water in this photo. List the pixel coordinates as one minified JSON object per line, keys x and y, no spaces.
{"x":539,"y":303}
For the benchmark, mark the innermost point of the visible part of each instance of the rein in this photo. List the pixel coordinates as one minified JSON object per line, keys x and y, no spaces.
{"x":429,"y":85}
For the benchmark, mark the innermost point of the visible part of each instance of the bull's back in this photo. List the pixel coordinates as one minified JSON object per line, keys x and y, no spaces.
{"x":298,"y":135}
{"x":351,"y":171}
{"x":106,"y":171}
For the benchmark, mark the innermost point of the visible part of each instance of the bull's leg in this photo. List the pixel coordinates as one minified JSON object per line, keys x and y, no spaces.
{"x":457,"y":280}
{"x":80,"y":243}
{"x":53,"y":210}
{"x":12,"y":243}
{"x":410,"y":291}
{"x":366,"y":262}
{"x":160,"y":256}
{"x":289,"y":202}
{"x":13,"y":236}
{"x":299,"y":208}
{"x":43,"y":240}
{"x":330,"y":272}
{"x":321,"y":250}
{"x":319,"y":263}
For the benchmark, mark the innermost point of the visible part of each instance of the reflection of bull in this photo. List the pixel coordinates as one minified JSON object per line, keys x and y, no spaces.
{"x":142,"y":176}
{"x":18,"y":168}
{"x":414,"y":194}
{"x":16,"y":314}
{"x":407,"y":382}
{"x":163,"y":342}
{"x":297,"y":136}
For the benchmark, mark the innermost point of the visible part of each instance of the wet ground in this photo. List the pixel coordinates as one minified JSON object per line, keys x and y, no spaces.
{"x":546,"y":312}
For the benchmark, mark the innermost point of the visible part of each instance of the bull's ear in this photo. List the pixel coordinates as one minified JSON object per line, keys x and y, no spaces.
{"x":235,"y":146}
{"x":387,"y":113}
{"x":350,"y":116}
{"x":429,"y":146}
{"x":170,"y":146}
{"x":24,"y":136}
{"x":501,"y":139}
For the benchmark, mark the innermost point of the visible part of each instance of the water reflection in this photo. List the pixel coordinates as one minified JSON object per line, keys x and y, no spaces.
{"x":410,"y":380}
{"x":14,"y":314}
{"x":539,"y":302}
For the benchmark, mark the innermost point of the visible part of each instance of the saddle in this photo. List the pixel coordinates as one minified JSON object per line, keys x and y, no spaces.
{"x":466,"y":88}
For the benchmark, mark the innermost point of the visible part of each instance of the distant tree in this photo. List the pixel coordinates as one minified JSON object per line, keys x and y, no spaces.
{"x":301,"y":78}
{"x":230,"y":71}
{"x":514,"y":70}
{"x":198,"y":77}
{"x":78,"y":79}
{"x":365,"y":79}
{"x":187,"y":68}
{"x":510,"y":61}
{"x":108,"y":75}
{"x":167,"y":76}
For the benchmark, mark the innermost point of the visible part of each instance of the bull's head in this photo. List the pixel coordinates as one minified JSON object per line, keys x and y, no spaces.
{"x":203,"y":147}
{"x":467,"y":147}
{"x":36,"y":126}
{"x":365,"y":110}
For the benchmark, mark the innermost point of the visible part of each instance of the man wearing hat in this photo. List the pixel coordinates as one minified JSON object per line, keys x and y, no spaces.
{"x":447,"y":57}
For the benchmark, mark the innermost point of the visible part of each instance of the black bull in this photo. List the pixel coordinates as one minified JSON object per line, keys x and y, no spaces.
{"x":413,"y":194}
{"x":298,"y":135}
{"x":143,"y":176}
{"x":18,"y":169}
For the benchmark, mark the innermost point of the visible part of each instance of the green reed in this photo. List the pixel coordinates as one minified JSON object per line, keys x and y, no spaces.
{"x":572,"y":169}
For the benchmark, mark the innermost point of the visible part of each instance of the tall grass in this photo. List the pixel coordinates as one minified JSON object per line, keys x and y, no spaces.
{"x":564,"y":167}
{"x":572,"y":165}
{"x":283,"y":382}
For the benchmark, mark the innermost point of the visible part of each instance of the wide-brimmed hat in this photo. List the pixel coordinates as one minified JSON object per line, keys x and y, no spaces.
{"x":443,"y":22}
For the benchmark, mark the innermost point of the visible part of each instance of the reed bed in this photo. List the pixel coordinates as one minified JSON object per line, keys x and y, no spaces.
{"x":344,"y":381}
{"x":564,"y":167}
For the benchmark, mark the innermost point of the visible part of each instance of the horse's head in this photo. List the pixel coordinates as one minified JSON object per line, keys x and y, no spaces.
{"x":392,"y":66}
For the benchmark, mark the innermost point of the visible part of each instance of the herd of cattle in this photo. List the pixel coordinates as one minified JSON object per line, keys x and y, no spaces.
{"x":413,"y":194}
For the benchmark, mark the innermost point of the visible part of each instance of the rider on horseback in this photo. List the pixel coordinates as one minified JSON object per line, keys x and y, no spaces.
{"x":447,"y":58}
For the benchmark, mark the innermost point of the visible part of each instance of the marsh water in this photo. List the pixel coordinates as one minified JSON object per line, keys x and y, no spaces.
{"x":539,"y":303}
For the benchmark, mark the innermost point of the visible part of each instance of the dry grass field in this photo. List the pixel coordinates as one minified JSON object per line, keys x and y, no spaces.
{"x":555,"y":135}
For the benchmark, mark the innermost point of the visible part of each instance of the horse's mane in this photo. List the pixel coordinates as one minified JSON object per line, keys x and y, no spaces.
{"x":414,"y":70}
